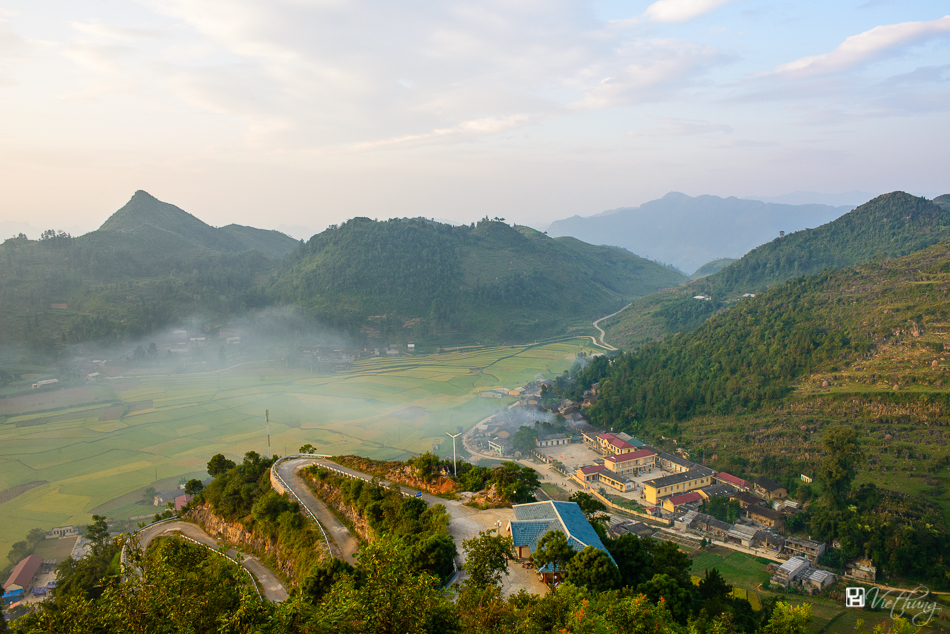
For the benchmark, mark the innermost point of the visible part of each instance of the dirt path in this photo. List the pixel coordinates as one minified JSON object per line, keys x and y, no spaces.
{"x":274,"y":590}
{"x":603,"y":344}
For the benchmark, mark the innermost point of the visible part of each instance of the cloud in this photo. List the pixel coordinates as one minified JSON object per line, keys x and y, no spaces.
{"x":681,"y":10}
{"x":123,"y":34}
{"x":671,"y":126}
{"x":866,"y":47}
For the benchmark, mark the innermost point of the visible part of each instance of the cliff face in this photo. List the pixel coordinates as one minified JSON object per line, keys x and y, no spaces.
{"x":236,"y":534}
{"x":334,"y":499}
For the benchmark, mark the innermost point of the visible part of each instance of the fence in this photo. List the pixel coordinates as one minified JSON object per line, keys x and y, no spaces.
{"x":624,"y":510}
{"x":286,"y":488}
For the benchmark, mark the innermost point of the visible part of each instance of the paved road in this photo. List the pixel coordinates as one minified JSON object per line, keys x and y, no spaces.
{"x":274,"y":590}
{"x":465,"y":522}
{"x":604,"y":344}
{"x":342,"y":545}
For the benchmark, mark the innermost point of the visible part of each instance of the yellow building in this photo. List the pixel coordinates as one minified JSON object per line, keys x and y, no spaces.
{"x":633,"y":462}
{"x":676,"y":484}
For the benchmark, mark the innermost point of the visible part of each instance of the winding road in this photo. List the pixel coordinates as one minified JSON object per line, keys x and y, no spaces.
{"x":603,"y":344}
{"x":273,"y":588}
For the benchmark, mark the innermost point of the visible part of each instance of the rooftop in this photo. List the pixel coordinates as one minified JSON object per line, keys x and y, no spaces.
{"x":733,"y":480}
{"x":614,"y":441}
{"x":532,"y":521}
{"x":679,"y":478}
{"x":633,"y":455}
{"x":685,"y":498}
{"x":23,"y":574}
{"x":768,"y":484}
{"x":592,"y":469}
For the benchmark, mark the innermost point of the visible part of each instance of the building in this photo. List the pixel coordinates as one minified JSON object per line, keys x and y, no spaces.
{"x":633,"y":528}
{"x":533,"y":521}
{"x":22,"y":576}
{"x":817,"y":580}
{"x":501,"y":446}
{"x":164,"y":497}
{"x":791,"y":571}
{"x":635,"y":462}
{"x":679,"y":502}
{"x":44,"y":383}
{"x":588,"y":474}
{"x":770,"y":540}
{"x":62,"y":531}
{"x":709,"y":525}
{"x":616,"y":481}
{"x":744,"y":535}
{"x":674,"y":464}
{"x":182,"y":501}
{"x":746,"y":500}
{"x":716,"y":490}
{"x":552,"y":440}
{"x":861,"y":570}
{"x":765,"y":517}
{"x":810,"y":550}
{"x":739,"y":483}
{"x":611,"y":445}
{"x":769,"y":489}
{"x":677,"y":483}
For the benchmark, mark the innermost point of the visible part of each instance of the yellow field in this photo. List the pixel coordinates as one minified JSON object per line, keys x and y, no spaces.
{"x":95,"y":459}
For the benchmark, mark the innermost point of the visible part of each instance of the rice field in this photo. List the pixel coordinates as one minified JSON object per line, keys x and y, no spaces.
{"x":95,"y":449}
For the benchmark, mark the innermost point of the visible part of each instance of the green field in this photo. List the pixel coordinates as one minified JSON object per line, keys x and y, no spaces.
{"x":95,"y":449}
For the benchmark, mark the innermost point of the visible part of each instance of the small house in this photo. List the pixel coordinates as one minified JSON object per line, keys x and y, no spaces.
{"x":769,"y":489}
{"x":765,"y":517}
{"x":739,"y":483}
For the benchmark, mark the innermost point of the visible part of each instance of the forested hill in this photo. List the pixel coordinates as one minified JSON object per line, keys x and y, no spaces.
{"x":488,"y":281}
{"x":145,"y":217}
{"x":149,"y":265}
{"x":890,"y":225}
{"x":757,"y":352}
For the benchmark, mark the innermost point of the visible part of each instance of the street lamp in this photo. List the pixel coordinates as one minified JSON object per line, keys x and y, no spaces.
{"x":454,"y":467}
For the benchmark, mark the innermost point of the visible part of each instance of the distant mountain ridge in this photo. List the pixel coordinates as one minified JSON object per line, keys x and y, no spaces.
{"x":891,"y":225}
{"x":145,"y":215}
{"x":689,"y":232}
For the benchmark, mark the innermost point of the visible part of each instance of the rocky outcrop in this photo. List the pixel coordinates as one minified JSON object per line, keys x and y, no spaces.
{"x":334,"y":499}
{"x":237,"y":535}
{"x":400,"y":473}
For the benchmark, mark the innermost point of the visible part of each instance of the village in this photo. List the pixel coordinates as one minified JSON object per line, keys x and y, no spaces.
{"x":649,"y":492}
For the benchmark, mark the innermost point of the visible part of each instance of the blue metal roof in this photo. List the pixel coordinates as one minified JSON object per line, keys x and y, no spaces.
{"x":532,"y":521}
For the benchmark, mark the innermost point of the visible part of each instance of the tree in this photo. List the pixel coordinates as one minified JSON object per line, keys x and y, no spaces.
{"x":677,"y":598}
{"x":788,"y":619}
{"x":426,"y":465}
{"x":322,"y":577}
{"x":668,"y":559}
{"x":98,"y":533}
{"x":713,"y":592}
{"x":486,"y":557}
{"x":193,"y":487}
{"x":524,"y":439}
{"x":148,"y":495}
{"x":633,"y":560}
{"x":590,"y":505}
{"x":308,"y":448}
{"x":553,"y":550}
{"x":837,"y":469}
{"x":152,"y":350}
{"x":593,"y":569}
{"x":219,"y":464}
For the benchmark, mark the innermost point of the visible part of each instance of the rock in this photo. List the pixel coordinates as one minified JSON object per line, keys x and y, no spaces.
{"x":824,"y":383}
{"x":896,"y":387}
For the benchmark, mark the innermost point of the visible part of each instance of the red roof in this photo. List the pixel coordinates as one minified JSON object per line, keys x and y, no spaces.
{"x":182,"y":500}
{"x":733,"y":480}
{"x":613,"y":441}
{"x":686,"y":498}
{"x":23,"y":574}
{"x":592,"y":469}
{"x":633,"y":455}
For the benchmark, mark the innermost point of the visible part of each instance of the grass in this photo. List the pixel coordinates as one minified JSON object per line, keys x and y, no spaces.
{"x":95,"y":459}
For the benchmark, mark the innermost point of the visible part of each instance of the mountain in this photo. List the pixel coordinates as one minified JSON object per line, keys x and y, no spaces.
{"x":712,"y":267}
{"x":144,"y":216}
{"x":755,"y":388}
{"x":891,"y":225}
{"x":846,"y":199}
{"x":943,"y":201}
{"x":149,"y":265}
{"x":690,"y":231}
{"x":485,"y":281}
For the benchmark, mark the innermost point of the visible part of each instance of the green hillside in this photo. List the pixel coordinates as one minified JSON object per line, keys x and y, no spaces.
{"x":712,"y":267}
{"x":891,"y":225}
{"x":412,"y":277}
{"x":149,"y":265}
{"x":754,"y":388}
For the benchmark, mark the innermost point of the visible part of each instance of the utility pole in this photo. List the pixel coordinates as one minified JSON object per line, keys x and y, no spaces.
{"x":270,"y":454}
{"x":454,"y":466}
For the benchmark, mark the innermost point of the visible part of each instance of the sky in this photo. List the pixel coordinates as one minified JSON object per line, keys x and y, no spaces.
{"x":298,"y":114}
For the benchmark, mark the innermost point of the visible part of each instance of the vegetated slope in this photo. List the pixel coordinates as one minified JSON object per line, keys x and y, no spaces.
{"x":149,"y":264}
{"x":943,"y":201}
{"x":890,"y":225}
{"x":144,"y":216}
{"x":690,"y":231}
{"x":490,"y":281}
{"x":712,"y":267}
{"x":753,"y":389}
